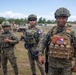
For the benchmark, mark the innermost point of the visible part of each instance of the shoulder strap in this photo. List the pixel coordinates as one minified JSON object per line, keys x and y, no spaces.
{"x":53,"y":30}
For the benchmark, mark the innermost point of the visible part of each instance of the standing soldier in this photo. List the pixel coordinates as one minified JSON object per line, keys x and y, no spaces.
{"x":13,"y":27}
{"x":0,"y":47}
{"x":7,"y":48}
{"x":32,"y":37}
{"x":61,"y":44}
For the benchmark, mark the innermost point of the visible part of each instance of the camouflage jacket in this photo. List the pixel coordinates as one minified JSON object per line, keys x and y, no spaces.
{"x":9,"y":35}
{"x":55,"y":30}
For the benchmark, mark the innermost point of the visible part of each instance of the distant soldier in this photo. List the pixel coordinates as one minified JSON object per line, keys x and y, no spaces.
{"x":61,"y":45}
{"x":7,"y":43}
{"x":32,"y":36}
{"x":13,"y":27}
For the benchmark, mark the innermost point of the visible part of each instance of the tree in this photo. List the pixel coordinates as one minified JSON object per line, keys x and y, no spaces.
{"x":44,"y":21}
{"x":1,"y":19}
{"x":40,"y":20}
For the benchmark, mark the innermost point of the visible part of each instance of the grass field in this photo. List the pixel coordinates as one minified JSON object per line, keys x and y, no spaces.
{"x":22,"y":60}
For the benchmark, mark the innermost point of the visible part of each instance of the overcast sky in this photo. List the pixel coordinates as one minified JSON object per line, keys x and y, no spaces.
{"x":41,"y":8}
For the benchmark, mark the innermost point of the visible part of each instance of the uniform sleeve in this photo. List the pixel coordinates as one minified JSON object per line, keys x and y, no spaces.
{"x":42,"y":43}
{"x":74,"y":44}
{"x":14,"y":39}
{"x":40,"y":33}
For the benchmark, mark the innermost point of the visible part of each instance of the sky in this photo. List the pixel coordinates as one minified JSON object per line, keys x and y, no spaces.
{"x":41,"y":8}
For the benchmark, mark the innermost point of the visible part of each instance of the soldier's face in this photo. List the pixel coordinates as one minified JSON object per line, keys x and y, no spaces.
{"x":32,"y":23}
{"x":61,"y":21}
{"x":5,"y":29}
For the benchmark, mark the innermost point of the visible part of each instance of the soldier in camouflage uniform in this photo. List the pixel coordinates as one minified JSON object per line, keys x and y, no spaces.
{"x":0,"y":49}
{"x":7,"y":43}
{"x":32,"y":36}
{"x":60,"y":54}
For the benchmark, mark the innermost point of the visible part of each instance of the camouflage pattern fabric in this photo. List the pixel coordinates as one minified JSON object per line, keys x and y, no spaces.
{"x":62,"y":12}
{"x":7,"y":53}
{"x":61,"y":65}
{"x":32,"y":52}
{"x":33,"y":64}
{"x":0,"y":51}
{"x":61,"y":47}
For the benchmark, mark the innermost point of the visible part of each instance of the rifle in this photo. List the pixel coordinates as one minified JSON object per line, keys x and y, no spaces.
{"x":46,"y":58}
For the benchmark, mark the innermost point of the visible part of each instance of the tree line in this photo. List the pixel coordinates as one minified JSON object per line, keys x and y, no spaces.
{"x":40,"y":20}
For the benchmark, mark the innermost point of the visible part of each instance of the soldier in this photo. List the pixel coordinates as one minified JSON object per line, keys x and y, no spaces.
{"x":8,"y":41}
{"x":0,"y":48}
{"x":62,"y":45}
{"x":32,"y":36}
{"x":13,"y":27}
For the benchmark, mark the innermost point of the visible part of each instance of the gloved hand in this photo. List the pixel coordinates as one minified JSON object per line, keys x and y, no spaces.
{"x":74,"y":69}
{"x":40,"y":59}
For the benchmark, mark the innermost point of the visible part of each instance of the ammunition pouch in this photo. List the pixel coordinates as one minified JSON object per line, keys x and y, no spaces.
{"x":61,"y":46}
{"x":62,"y":52}
{"x":31,"y":36}
{"x":4,"y":44}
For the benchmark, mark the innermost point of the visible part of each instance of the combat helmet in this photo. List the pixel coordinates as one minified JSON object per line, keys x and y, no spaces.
{"x":5,"y":24}
{"x":32,"y":16}
{"x":62,"y":12}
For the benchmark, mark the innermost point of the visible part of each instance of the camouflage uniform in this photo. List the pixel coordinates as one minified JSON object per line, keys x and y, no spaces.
{"x":58,"y":66}
{"x":0,"y":49}
{"x":7,"y":49}
{"x":32,"y":37}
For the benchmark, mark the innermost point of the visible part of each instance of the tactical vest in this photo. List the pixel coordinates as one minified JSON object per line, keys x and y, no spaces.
{"x":32,"y":37}
{"x":61,"y":46}
{"x":2,"y":37}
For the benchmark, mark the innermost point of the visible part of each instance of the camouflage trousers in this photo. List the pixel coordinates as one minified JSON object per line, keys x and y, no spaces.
{"x":59,"y":67}
{"x":8,"y":54}
{"x":32,"y":61}
{"x":59,"y":71}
